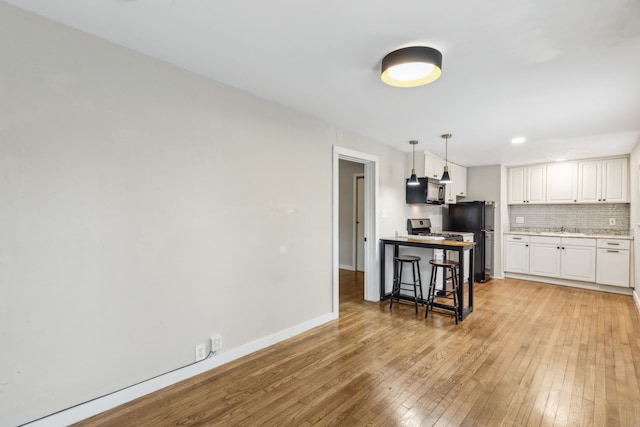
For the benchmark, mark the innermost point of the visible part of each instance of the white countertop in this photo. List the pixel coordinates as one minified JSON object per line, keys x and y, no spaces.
{"x":567,"y":234}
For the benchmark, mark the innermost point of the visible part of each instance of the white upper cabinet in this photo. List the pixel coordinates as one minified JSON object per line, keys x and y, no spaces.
{"x":527,"y":184}
{"x":615,"y":185}
{"x":433,"y":166}
{"x":603,"y":181}
{"x":589,"y":190}
{"x":589,"y":181}
{"x":460,"y":187}
{"x":457,"y":188}
{"x":562,"y":182}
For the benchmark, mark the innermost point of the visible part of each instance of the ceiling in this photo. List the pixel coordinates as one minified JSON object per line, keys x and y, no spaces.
{"x":563,"y":74}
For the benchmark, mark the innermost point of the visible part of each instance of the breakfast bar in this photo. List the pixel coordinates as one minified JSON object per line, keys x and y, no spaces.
{"x":445,"y":245}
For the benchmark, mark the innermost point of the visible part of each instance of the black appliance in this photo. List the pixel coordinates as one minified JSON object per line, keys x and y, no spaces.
{"x":422,"y":227}
{"x":428,"y":191}
{"x":478,"y":218}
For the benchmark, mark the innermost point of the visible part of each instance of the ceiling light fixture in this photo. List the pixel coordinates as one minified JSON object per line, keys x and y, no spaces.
{"x":446,"y":179}
{"x":518,"y":140}
{"x":411,"y":66}
{"x":413,"y":180}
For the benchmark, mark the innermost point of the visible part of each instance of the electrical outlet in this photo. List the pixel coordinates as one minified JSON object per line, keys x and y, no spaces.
{"x":612,"y":221}
{"x":216,"y":342}
{"x":519,"y":220}
{"x":201,"y":352}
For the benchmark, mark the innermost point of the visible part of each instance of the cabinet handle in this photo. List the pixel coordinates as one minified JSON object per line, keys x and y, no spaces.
{"x":563,"y":248}
{"x":612,"y":251}
{"x":575,"y":201}
{"x":526,"y":246}
{"x":517,"y":238}
{"x":558,"y":247}
{"x":613,"y":244}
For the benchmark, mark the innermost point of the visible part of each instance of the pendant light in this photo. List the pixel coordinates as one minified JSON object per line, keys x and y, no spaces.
{"x":413,"y":180}
{"x":446,"y":179}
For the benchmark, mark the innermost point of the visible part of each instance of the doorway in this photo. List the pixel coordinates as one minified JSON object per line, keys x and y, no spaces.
{"x":359,"y":218}
{"x":369,"y":250}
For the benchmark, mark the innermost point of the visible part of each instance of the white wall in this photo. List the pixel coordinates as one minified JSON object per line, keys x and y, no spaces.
{"x":484,"y":183}
{"x":143,"y":208}
{"x":634,"y":188}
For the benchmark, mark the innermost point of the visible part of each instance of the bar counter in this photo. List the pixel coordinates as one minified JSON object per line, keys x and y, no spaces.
{"x":445,"y":245}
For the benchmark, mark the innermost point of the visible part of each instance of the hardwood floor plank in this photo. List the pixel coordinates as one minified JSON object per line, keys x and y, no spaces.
{"x":530,"y":354}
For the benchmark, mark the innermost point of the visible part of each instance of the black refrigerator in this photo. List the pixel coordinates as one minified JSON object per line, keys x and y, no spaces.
{"x":478,"y":218}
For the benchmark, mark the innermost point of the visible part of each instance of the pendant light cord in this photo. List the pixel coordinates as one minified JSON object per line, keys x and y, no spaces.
{"x":446,"y":137}
{"x":414,"y":156}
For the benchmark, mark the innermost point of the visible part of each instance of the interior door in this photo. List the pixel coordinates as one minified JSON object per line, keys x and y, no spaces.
{"x":359,"y":243}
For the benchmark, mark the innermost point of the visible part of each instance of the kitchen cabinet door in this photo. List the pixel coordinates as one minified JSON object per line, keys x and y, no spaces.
{"x":433,"y":166}
{"x":603,"y":181}
{"x":527,"y":185}
{"x":590,"y":182}
{"x":562,"y":182}
{"x":544,"y":259}
{"x":460,"y":182}
{"x":613,"y":267}
{"x":537,"y":178}
{"x":517,"y":188}
{"x":457,"y":188}
{"x":517,"y":254}
{"x":615,"y":181}
{"x":578,"y":263}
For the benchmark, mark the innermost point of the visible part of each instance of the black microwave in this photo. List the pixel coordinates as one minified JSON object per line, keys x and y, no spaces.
{"x":428,"y":191}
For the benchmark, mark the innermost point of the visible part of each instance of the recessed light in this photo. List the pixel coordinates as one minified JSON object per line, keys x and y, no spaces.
{"x":518,"y":140}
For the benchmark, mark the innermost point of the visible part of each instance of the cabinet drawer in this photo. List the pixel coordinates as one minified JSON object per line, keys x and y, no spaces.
{"x":614,"y":244}
{"x":516,"y":238}
{"x":549,"y":240}
{"x":579,"y":241}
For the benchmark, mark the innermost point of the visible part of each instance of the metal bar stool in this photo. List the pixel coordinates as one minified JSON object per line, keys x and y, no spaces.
{"x":399,"y":285}
{"x":447,"y":266}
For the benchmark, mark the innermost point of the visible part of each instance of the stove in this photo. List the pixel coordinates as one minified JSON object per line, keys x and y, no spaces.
{"x":422,"y":227}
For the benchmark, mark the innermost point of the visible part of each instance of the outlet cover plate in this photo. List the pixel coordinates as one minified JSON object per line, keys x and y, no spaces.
{"x":201,"y":352}
{"x":216,"y":342}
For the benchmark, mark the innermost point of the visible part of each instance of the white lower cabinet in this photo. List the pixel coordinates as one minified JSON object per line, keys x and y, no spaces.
{"x":578,"y":259}
{"x":516,"y":250}
{"x":613,"y":262}
{"x":572,"y":258}
{"x":544,"y":256}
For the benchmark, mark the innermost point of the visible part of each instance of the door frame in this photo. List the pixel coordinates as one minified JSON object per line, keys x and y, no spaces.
{"x":371,"y":255}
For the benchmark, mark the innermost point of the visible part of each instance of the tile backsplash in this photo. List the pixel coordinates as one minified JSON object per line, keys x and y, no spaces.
{"x":591,"y":218}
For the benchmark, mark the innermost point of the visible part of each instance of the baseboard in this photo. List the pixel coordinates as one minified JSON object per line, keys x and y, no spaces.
{"x":572,"y":283}
{"x":346,"y":267}
{"x":636,"y":298}
{"x":99,"y":405}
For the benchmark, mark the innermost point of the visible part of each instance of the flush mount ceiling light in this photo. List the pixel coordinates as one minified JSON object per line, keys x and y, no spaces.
{"x":446,"y":179}
{"x":411,"y":66}
{"x":413,"y":180}
{"x":518,"y":140}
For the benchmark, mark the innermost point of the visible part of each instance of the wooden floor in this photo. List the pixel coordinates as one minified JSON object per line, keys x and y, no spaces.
{"x":530,"y":354}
